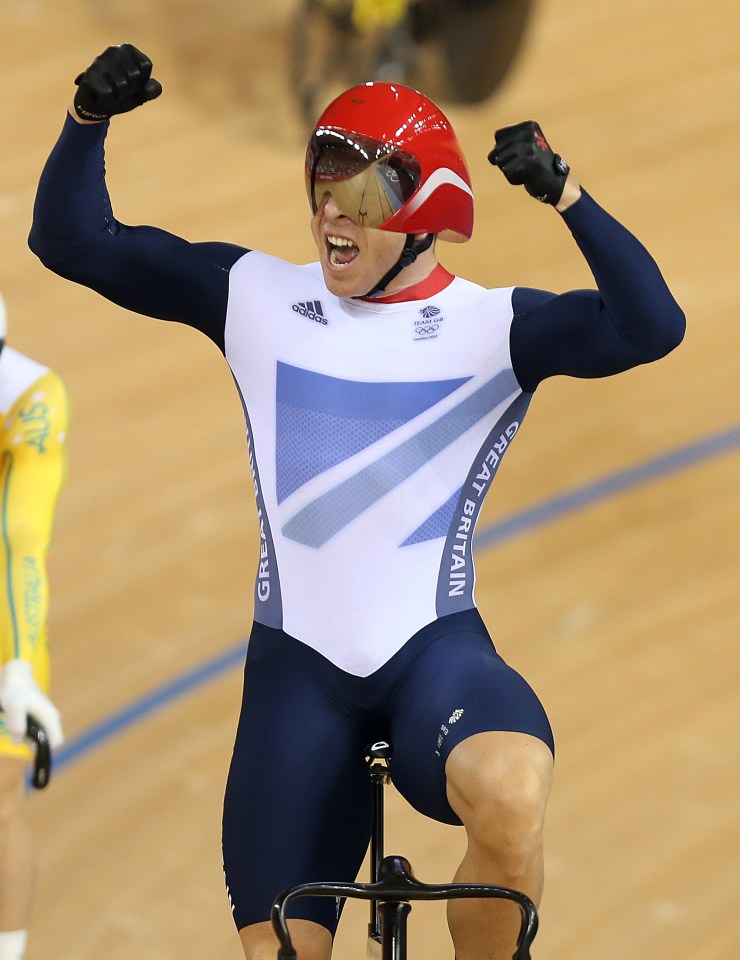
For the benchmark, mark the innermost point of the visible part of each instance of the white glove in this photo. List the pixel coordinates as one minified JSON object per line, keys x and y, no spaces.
{"x":21,"y":695}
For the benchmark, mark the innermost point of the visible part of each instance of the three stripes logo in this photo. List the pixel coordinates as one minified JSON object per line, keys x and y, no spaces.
{"x":311,"y":309}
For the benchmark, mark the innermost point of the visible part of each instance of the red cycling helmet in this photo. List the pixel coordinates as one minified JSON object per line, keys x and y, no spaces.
{"x":391,"y":160}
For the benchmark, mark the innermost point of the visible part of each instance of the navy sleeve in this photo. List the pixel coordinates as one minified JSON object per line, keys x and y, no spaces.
{"x":143,"y":269}
{"x":631,"y":318}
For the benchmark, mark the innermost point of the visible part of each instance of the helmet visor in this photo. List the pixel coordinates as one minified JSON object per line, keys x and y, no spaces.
{"x":370,"y":180}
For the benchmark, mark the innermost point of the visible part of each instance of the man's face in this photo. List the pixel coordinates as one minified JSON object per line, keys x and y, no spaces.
{"x":353,"y":258}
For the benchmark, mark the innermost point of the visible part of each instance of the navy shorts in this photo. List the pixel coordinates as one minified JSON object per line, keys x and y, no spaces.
{"x":298,"y":803}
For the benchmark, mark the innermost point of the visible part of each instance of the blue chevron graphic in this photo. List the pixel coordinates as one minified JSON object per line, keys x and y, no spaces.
{"x":325,"y":516}
{"x":437,"y":525}
{"x":323,"y":420}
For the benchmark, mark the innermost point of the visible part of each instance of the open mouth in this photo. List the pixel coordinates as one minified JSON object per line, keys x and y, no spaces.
{"x":341,"y":251}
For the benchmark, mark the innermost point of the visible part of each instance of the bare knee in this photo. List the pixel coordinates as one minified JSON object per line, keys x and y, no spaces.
{"x":311,"y":940}
{"x":499,"y":784}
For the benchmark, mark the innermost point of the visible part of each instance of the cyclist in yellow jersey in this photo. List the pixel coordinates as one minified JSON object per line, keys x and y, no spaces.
{"x":33,"y":433}
{"x":372,"y":14}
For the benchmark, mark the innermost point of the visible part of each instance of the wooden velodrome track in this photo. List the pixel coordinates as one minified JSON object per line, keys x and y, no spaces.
{"x":623,"y":612}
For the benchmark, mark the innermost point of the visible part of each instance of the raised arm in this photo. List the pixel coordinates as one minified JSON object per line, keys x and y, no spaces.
{"x":75,"y":233}
{"x":630,"y":319}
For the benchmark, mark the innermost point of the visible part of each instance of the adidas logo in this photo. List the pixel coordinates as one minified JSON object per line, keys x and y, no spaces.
{"x":311,"y":309}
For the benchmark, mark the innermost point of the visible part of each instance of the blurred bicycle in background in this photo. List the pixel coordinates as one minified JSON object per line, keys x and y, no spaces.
{"x":458,"y":50}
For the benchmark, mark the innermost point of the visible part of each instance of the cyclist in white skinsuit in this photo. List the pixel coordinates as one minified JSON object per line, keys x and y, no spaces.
{"x":380,"y":394}
{"x":354,"y":452}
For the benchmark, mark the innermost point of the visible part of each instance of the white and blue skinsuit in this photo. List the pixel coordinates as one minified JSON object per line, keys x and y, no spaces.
{"x":375,"y":430}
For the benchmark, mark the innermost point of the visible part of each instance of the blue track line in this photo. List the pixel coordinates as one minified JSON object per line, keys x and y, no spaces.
{"x":549,"y":510}
{"x":615,"y":483}
{"x":139,"y":709}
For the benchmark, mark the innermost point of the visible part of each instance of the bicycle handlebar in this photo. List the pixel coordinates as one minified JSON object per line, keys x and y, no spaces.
{"x":42,"y":761}
{"x":398,"y":885}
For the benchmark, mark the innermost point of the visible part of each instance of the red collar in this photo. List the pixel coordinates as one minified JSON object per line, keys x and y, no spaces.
{"x":437,"y":280}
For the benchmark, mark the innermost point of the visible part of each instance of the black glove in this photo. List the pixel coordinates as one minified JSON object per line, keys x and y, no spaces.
{"x":524,"y":157}
{"x":115,"y":82}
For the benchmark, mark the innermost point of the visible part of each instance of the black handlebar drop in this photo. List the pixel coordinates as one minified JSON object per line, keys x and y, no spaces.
{"x":42,"y":761}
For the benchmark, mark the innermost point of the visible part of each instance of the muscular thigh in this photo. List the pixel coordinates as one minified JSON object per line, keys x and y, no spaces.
{"x":457,"y":686}
{"x":298,"y":804}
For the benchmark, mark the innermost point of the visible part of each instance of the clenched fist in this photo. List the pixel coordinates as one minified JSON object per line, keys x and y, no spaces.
{"x":524,"y":157}
{"x":115,"y":82}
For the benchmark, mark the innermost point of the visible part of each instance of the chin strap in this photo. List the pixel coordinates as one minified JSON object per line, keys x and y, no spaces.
{"x":408,"y":256}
